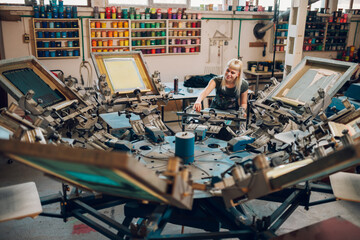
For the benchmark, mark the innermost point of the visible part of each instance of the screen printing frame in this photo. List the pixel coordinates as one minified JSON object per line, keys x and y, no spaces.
{"x":112,"y":173}
{"x":295,"y":77}
{"x":46,"y":76}
{"x":99,"y":60}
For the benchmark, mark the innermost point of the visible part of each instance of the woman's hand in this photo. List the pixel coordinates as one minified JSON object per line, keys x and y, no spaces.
{"x":197,"y":106}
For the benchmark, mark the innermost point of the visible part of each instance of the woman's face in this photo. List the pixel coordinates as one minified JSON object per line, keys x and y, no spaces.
{"x":231,"y":74}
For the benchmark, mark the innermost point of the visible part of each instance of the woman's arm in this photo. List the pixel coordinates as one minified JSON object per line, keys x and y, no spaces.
{"x":243,"y":99}
{"x":211,"y":86}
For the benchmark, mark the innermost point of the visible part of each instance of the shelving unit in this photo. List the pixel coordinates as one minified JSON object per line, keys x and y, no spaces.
{"x":184,"y":36}
{"x":56,"y":38}
{"x":281,"y":36}
{"x":109,"y":35}
{"x":151,"y":36}
{"x":320,"y":34}
{"x":336,"y":36}
{"x":324,"y":35}
{"x":315,"y":31}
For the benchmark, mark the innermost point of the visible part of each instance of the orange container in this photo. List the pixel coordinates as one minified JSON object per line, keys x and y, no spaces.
{"x":110,"y":33}
{"x":116,"y":34}
{"x":120,"y":25}
{"x":126,"y":24}
{"x":105,"y":43}
{"x":110,"y":42}
{"x":103,"y":34}
{"x":114,"y":24}
{"x":97,"y":25}
{"x":93,"y":43}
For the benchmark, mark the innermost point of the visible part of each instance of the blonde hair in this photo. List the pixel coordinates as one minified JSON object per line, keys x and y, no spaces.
{"x":237,"y":65}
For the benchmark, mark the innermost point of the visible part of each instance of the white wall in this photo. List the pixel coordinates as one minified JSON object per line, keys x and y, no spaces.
{"x":169,"y":65}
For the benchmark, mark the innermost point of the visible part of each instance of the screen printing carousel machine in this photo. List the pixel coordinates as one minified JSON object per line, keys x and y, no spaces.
{"x":110,"y":144}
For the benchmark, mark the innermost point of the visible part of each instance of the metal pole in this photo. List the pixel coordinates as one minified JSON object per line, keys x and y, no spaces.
{"x":276,"y":12}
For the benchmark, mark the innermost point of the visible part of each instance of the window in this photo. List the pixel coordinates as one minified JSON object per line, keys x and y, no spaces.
{"x":344,"y":4}
{"x":129,"y":2}
{"x":196,"y":3}
{"x":284,"y":5}
{"x":71,"y":2}
{"x":66,"y":2}
{"x":356,"y":4}
{"x":316,"y":5}
{"x":267,"y":3}
{"x":12,"y":2}
{"x":182,"y":2}
{"x":148,"y":2}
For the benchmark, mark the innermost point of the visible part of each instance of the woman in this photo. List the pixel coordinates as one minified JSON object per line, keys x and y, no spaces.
{"x":231,"y":89}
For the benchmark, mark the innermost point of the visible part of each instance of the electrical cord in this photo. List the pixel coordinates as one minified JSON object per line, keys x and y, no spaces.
{"x":88,"y":67}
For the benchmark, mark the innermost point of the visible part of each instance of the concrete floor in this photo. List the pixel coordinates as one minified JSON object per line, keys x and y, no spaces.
{"x":51,"y":228}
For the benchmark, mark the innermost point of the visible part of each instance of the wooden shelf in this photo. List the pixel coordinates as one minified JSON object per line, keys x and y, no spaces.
{"x":109,"y":29}
{"x":109,"y":38}
{"x":146,"y":20}
{"x":55,"y":19}
{"x":146,"y":29}
{"x":54,"y":58}
{"x":184,"y":20}
{"x":191,"y":53}
{"x":151,"y":46}
{"x":57,"y":48}
{"x":102,"y":47}
{"x":183,"y":45}
{"x":184,"y":28}
{"x":138,"y":38}
{"x":55,"y":29}
{"x":39,"y":51}
{"x":110,"y":19}
{"x":56,"y":39}
{"x":185,"y":37}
